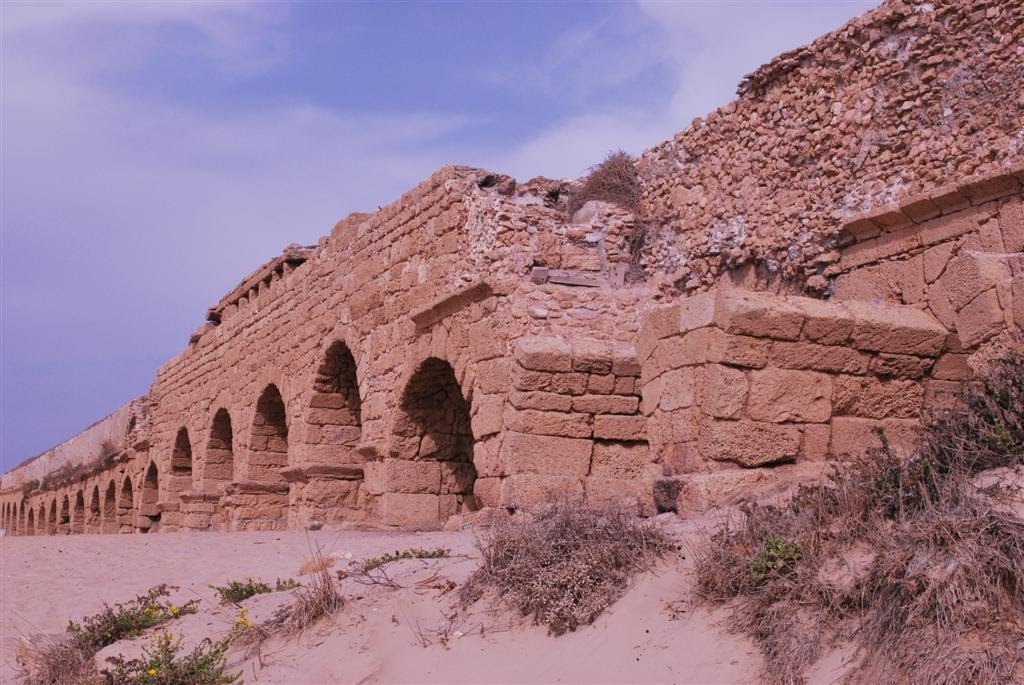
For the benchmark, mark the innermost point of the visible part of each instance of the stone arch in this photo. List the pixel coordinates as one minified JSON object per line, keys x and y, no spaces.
{"x":335,"y":408}
{"x":431,"y":456}
{"x":181,"y":456}
{"x":64,"y":519}
{"x":78,"y":515}
{"x":268,"y":439}
{"x":109,"y":520}
{"x":149,"y":504}
{"x":92,"y":521}
{"x":219,"y":464}
{"x":126,"y":507}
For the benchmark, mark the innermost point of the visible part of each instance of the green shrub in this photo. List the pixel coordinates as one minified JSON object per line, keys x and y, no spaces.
{"x":126,"y":620}
{"x":161,"y":664}
{"x":239,"y":590}
{"x":777,"y":555}
{"x":385,"y":559}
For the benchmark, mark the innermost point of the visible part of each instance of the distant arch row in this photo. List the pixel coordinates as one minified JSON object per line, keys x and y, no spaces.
{"x":248,"y":486}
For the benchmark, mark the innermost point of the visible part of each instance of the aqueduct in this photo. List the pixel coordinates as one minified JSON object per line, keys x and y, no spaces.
{"x":808,"y":267}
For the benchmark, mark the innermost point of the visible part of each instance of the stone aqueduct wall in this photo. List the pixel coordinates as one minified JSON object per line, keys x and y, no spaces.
{"x":471,"y":347}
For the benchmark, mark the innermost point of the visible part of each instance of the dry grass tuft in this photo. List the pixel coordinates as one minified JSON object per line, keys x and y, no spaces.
{"x":316,"y":600}
{"x":316,"y":564}
{"x":925,"y":569}
{"x":60,"y":661}
{"x":564,"y":564}
{"x":613,"y":180}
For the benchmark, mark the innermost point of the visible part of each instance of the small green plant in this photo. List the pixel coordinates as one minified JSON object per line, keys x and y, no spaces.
{"x":286,"y":584}
{"x":777,"y":555}
{"x":383,"y":560}
{"x":126,"y":620}
{"x":239,"y":590}
{"x":162,"y":664}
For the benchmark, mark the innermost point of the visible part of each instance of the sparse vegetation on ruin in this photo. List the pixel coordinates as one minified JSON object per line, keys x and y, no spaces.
{"x":613,"y":180}
{"x":564,"y":563}
{"x":919,"y":561}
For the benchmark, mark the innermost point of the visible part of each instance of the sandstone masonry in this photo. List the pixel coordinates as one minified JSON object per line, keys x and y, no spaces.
{"x":811,"y":269}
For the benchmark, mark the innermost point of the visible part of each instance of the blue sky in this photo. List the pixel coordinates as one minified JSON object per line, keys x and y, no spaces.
{"x":154,"y":153}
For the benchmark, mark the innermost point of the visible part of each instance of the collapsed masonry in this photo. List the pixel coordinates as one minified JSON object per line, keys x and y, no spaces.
{"x":811,"y":268}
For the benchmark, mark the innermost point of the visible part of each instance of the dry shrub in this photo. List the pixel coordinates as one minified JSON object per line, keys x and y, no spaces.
{"x":60,"y":661}
{"x":938,"y":593}
{"x":316,"y":564}
{"x":614,"y":180}
{"x":564,"y":564}
{"x":316,"y":600}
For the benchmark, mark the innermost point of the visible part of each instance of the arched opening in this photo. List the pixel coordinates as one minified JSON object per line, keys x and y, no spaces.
{"x":21,"y":519}
{"x":335,"y":411}
{"x":219,"y":465}
{"x":268,"y":443}
{"x":181,"y":457}
{"x":109,"y":524}
{"x":45,"y":523}
{"x":149,"y":507}
{"x":78,"y":517}
{"x":30,"y":523}
{"x":92,"y":522}
{"x":126,"y":507}
{"x":434,"y":439}
{"x":64,"y":522}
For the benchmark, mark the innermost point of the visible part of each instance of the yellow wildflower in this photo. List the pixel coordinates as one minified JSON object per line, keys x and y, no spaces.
{"x":151,"y":671}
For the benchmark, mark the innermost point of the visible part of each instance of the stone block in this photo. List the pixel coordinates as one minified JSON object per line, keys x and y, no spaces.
{"x":488,"y":491}
{"x":1011,"y":225}
{"x":543,"y":353}
{"x":605,"y":404}
{"x":487,"y":414}
{"x":898,"y":329}
{"x":815,"y":442}
{"x":659,"y":322}
{"x":736,"y":350}
{"x":826,"y":323}
{"x":935,"y":259}
{"x":572,"y":425}
{"x":676,"y":389}
{"x":410,"y":510}
{"x":529,"y":490}
{"x":545,"y":401}
{"x":900,"y":365}
{"x":620,"y":459}
{"x":601,"y":384}
{"x":952,"y":367}
{"x":591,"y":356}
{"x":749,"y":443}
{"x":779,"y":395}
{"x":696,"y":311}
{"x":830,"y":358}
{"x":402,"y":475}
{"x":970,"y":274}
{"x":612,"y":427}
{"x":632,"y":495}
{"x":853,"y":438}
{"x":757,"y":314}
{"x":625,"y":361}
{"x":559,"y":383}
{"x":546,"y":454}
{"x":870,"y":397}
{"x":704,"y":491}
{"x":723,"y":391}
{"x":940,"y":394}
{"x":980,"y":319}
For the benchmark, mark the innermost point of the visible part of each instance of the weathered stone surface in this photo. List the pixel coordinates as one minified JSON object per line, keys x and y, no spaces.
{"x":749,"y":443}
{"x":779,"y":395}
